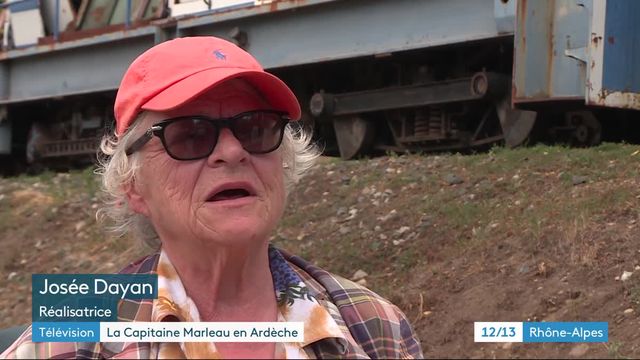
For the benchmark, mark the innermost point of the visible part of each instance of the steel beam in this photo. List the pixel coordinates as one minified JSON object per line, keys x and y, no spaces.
{"x":345,"y":29}
{"x":467,"y":89}
{"x":75,"y":71}
{"x":280,"y":34}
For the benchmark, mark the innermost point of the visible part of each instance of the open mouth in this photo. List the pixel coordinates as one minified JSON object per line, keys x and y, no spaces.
{"x":229,"y":194}
{"x":231,"y":191}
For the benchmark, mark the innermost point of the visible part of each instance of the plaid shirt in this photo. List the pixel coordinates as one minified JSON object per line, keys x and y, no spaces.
{"x":371,"y":326}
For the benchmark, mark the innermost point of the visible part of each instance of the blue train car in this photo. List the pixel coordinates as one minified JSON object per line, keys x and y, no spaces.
{"x":372,"y":75}
{"x":579,"y":56}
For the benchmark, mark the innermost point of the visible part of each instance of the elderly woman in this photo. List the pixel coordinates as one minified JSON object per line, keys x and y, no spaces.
{"x":200,"y":165}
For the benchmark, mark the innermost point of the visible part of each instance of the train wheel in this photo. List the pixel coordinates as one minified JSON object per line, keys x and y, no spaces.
{"x":354,"y":135}
{"x":587,"y":129}
{"x":516,"y":124}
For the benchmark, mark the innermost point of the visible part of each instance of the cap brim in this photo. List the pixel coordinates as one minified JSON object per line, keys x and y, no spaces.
{"x":276,"y":92}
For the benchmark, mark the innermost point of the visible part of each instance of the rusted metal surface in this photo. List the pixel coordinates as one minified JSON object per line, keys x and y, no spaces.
{"x":148,"y":24}
{"x":57,"y":13}
{"x":180,"y":8}
{"x":81,"y":34}
{"x":80,"y":40}
{"x":617,"y":99}
{"x":95,"y":14}
{"x":565,"y":50}
{"x":222,"y":15}
{"x":550,"y":50}
{"x":154,"y":10}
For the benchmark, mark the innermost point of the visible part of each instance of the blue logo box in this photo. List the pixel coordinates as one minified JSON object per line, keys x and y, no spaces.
{"x":565,"y":332}
{"x":86,"y":297}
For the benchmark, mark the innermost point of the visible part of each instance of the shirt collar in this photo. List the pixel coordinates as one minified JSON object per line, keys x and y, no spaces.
{"x":296,"y":303}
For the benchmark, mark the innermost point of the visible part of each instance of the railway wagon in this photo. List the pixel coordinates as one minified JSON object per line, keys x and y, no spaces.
{"x":371,"y":75}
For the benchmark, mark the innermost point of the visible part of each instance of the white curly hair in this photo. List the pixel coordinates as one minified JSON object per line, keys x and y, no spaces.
{"x":118,"y":171}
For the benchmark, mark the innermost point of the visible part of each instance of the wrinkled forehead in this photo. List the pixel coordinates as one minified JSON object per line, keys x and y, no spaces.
{"x":228,"y":99}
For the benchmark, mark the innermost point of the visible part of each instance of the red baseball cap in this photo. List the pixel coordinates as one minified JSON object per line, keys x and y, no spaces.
{"x":174,"y":72}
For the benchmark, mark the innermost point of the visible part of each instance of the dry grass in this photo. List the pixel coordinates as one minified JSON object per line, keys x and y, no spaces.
{"x":504,"y":243}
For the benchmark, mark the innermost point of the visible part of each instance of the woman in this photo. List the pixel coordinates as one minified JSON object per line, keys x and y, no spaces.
{"x":200,"y":165}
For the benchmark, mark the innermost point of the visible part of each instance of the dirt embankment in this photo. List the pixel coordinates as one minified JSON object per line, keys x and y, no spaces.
{"x":538,"y":234}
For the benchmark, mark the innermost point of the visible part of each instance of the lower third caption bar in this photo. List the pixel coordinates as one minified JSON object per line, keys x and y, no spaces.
{"x":539,"y":332}
{"x":169,"y":331}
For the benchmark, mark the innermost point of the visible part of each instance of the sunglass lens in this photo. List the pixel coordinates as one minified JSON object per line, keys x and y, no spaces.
{"x":190,"y":138}
{"x":259,"y":132}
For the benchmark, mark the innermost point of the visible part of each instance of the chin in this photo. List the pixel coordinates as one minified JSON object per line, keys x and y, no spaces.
{"x":238,"y":231}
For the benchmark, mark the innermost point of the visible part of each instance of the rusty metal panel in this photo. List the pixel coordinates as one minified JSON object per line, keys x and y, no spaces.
{"x":120,"y":11}
{"x":550,"y":50}
{"x":66,"y":15}
{"x":95,"y":14}
{"x":153,"y":10}
{"x":190,"y":7}
{"x":140,"y":10}
{"x":614,"y":73}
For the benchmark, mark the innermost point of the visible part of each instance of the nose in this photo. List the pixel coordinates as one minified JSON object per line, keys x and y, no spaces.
{"x":228,"y":150}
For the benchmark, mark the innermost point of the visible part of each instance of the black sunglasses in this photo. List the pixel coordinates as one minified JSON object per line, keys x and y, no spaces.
{"x":194,"y":137}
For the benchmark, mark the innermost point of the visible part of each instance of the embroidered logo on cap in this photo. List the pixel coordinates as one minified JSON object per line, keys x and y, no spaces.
{"x":220,"y":55}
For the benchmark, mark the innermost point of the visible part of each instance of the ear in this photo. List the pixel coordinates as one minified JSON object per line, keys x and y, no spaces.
{"x":136,"y":201}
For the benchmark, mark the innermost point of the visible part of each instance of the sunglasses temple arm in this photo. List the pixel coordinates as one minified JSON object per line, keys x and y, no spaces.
{"x":138,"y":144}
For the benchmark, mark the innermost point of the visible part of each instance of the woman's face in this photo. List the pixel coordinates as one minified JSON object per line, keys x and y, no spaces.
{"x":229,"y":198}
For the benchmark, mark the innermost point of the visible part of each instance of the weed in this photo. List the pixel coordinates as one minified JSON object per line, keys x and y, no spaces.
{"x":634,"y":295}
{"x":91,"y":183}
{"x":460,"y":215}
{"x":330,"y":160}
{"x":406,"y":259}
{"x":44,"y":177}
{"x":613,"y":348}
{"x":398,"y":181}
{"x":6,"y":220}
{"x":578,"y":243}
